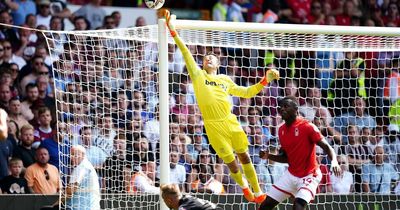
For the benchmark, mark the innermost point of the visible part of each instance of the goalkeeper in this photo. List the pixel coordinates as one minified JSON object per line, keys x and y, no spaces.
{"x":224,"y":132}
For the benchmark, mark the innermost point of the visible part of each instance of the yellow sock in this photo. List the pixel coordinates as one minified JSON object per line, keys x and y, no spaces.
{"x":250,"y":173}
{"x":238,"y":177}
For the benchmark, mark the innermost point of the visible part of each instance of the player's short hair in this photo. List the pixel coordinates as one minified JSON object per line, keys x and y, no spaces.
{"x":292,"y":100}
{"x":170,"y":190}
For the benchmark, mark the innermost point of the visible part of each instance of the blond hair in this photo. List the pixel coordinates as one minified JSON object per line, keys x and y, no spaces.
{"x":26,"y":127}
{"x":171,"y":190}
{"x":14,"y":161}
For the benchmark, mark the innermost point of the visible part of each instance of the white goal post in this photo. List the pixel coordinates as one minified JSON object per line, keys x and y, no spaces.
{"x":135,"y":80}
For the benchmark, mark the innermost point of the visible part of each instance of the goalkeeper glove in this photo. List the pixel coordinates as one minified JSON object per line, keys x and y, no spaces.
{"x":271,"y":75}
{"x":170,"y":19}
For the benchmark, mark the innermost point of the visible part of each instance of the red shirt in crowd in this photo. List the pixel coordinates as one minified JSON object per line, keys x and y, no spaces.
{"x":343,"y":20}
{"x":298,"y":142}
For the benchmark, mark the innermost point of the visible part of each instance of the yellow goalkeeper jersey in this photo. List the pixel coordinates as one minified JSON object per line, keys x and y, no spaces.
{"x":213,"y":91}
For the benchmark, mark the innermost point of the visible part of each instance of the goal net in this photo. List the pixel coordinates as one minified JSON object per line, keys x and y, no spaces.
{"x":346,"y":80}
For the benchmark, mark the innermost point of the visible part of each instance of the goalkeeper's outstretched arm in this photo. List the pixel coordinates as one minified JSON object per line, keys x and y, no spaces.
{"x":191,"y":64}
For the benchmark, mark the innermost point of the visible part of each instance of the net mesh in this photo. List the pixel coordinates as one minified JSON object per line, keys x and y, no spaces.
{"x":107,"y":100}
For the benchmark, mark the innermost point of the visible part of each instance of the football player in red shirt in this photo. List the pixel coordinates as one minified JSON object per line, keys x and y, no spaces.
{"x":298,"y":138}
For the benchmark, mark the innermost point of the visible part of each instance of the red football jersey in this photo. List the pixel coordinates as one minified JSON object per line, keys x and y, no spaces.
{"x":298,"y":141}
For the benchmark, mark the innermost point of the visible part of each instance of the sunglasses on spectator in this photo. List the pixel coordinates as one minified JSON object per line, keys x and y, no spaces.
{"x":7,"y":47}
{"x":46,"y":175}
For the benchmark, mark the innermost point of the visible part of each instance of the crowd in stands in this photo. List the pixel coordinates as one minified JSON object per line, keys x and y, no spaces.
{"x":111,"y":108}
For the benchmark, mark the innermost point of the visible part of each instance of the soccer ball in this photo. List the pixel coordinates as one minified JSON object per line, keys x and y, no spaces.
{"x":154,"y":4}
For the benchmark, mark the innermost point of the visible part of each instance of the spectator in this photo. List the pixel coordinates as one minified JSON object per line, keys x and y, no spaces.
{"x":357,"y":154}
{"x":42,"y":177}
{"x":109,"y":22}
{"x":206,"y":183}
{"x":20,"y":9}
{"x":58,"y":8}
{"x":94,"y":154}
{"x":151,"y":131}
{"x":177,"y":172}
{"x":349,"y":83}
{"x":9,"y":56}
{"x":140,"y":21}
{"x":316,"y":16}
{"x":392,"y":146}
{"x":8,"y":34}
{"x":30,"y":20}
{"x":313,"y":106}
{"x":393,"y":16}
{"x":117,"y":18}
{"x":24,"y":151}
{"x":56,"y":144}
{"x":141,"y":151}
{"x":81,"y":23}
{"x":44,"y":15}
{"x":116,"y":167}
{"x":344,"y":183}
{"x":235,"y":12}
{"x":44,"y":130}
{"x":379,"y":176}
{"x":5,"y":96}
{"x":271,"y":11}
{"x":357,"y":117}
{"x":349,"y":10}
{"x":14,"y":183}
{"x":93,"y":12}
{"x":38,"y":70}
{"x":333,"y":136}
{"x":14,"y":112}
{"x":27,"y":106}
{"x":104,"y":135}
{"x":143,"y":180}
{"x":220,"y":10}
{"x":83,"y":190}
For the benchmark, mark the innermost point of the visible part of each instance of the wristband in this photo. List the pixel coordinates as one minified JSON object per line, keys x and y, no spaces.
{"x":173,"y":33}
{"x":264,"y":81}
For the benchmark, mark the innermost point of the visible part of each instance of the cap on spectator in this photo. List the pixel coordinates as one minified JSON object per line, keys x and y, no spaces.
{"x":44,"y":2}
{"x":393,"y":128}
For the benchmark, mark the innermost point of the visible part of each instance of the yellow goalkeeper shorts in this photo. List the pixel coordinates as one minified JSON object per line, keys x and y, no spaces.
{"x":227,"y":136}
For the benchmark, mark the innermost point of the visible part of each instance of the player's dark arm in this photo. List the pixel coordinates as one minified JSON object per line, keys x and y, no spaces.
{"x":281,"y":157}
{"x":332,"y":156}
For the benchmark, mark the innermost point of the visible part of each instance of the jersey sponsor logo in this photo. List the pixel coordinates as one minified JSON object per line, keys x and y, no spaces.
{"x":212,"y":83}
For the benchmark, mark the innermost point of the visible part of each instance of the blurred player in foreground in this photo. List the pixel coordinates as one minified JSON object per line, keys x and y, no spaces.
{"x":298,"y":138}
{"x":174,"y":199}
{"x":225,"y":134}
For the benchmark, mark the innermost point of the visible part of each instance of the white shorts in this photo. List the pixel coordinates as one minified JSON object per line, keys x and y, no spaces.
{"x":292,"y":186}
